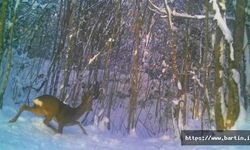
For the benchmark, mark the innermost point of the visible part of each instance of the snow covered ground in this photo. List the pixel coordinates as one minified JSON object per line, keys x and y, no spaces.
{"x":29,"y":133}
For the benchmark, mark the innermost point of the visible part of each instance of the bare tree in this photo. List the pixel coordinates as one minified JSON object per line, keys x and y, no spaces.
{"x":135,"y":68}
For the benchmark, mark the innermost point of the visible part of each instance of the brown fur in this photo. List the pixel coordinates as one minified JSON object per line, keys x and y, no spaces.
{"x":52,"y":108}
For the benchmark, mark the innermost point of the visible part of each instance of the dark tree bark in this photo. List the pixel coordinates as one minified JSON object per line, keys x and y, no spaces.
{"x":239,"y":30}
{"x":135,"y":68}
{"x":3,"y":17}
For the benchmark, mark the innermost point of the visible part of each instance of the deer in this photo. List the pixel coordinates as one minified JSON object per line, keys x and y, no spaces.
{"x":52,"y":108}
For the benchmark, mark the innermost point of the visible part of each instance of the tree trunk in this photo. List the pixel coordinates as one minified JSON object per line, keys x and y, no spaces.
{"x":135,"y":70}
{"x":6,"y":74}
{"x":236,"y":69}
{"x":219,"y":100}
{"x":71,"y":44}
{"x":239,"y":30}
{"x":2,"y":27}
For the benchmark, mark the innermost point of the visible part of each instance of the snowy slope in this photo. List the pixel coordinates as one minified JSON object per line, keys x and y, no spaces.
{"x":29,"y":133}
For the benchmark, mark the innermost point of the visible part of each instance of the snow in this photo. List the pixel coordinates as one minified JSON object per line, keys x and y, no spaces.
{"x":236,"y":77}
{"x":17,"y":4}
{"x":103,"y":125}
{"x":196,"y":79}
{"x":242,"y":115}
{"x":29,"y":133}
{"x":231,"y":51}
{"x":132,"y":133}
{"x":179,"y":85}
{"x":222,"y":22}
{"x":223,"y":26}
{"x":213,"y":39}
{"x":223,"y":105}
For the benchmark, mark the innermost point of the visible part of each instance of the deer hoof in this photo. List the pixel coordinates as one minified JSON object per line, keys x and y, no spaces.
{"x":12,"y":120}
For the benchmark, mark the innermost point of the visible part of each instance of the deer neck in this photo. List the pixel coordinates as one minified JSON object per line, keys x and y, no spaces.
{"x":81,"y":109}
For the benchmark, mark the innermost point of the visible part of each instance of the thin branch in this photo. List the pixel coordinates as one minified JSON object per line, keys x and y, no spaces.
{"x":161,"y":10}
{"x":169,"y":13}
{"x":155,"y":10}
{"x":174,"y":13}
{"x":185,"y":15}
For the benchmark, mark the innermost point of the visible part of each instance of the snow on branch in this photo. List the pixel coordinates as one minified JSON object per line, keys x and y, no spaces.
{"x":156,"y":8}
{"x":173,"y":13}
{"x":17,"y":4}
{"x":91,"y":60}
{"x":196,"y":79}
{"x":186,"y":15}
{"x":221,"y":21}
{"x":236,"y":78}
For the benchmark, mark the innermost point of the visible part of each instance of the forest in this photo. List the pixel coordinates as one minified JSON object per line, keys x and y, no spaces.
{"x":157,"y":66}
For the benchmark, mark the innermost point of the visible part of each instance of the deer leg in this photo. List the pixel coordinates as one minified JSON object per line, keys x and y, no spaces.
{"x":51,"y":127}
{"x":47,"y":120}
{"x":22,"y":108}
{"x":80,"y":125}
{"x":34,"y":109}
{"x":60,"y":128}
